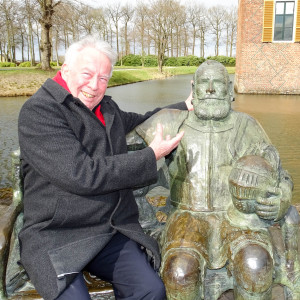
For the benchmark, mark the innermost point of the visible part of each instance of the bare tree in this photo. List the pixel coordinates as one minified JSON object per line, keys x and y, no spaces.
{"x":8,"y":10}
{"x":127,"y":15}
{"x":37,"y":33}
{"x":230,"y":22}
{"x":47,"y":10}
{"x":115,"y":13}
{"x":87,"y":19}
{"x":141,"y":25}
{"x":203,"y":29}
{"x":216,"y":16}
{"x":196,"y":18}
{"x":71,"y":26}
{"x":178,"y":19}
{"x":161,"y":26}
{"x":101,"y":24}
{"x":30,"y":11}
{"x":22,"y":34}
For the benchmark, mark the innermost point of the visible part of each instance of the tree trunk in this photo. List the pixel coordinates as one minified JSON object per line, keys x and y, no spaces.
{"x":47,"y":9}
{"x":45,"y":47}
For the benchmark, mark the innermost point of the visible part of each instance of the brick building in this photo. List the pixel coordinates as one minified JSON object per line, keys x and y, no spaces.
{"x":268,"y":47}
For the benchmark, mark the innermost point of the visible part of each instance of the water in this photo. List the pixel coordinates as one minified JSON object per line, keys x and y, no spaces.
{"x":9,"y":112}
{"x":279,"y":115}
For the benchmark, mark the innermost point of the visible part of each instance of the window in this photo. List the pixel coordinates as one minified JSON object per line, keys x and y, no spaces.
{"x":284,"y":20}
{"x":281,"y":21}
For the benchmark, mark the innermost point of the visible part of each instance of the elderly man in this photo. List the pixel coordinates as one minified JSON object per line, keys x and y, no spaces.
{"x":79,"y":209}
{"x":205,"y":231}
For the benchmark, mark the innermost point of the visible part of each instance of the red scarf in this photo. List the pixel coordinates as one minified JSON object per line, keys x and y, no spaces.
{"x":99,"y":115}
{"x":58,"y":79}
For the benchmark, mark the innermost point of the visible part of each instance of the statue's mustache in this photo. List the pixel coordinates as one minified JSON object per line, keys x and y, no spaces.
{"x":207,"y":97}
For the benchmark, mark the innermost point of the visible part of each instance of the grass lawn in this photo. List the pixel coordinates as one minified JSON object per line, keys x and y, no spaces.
{"x":26,"y":81}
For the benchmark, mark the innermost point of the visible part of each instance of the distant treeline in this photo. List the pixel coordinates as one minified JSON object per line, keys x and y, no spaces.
{"x":40,"y":30}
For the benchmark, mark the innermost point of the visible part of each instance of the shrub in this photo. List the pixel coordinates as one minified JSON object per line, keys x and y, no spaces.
{"x":132,"y":60}
{"x":54,"y":64}
{"x":195,"y":60}
{"x":25,"y":64}
{"x":150,"y":61}
{"x":7,"y":64}
{"x":171,"y":62}
{"x":184,"y":61}
{"x":225,"y":60}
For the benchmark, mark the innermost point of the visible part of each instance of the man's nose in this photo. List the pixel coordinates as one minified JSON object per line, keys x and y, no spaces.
{"x":210,"y":88}
{"x":94,"y":83}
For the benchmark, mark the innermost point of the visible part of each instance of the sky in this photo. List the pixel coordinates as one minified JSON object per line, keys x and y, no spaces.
{"x":214,"y":2}
{"x":209,"y":49}
{"x":205,"y":2}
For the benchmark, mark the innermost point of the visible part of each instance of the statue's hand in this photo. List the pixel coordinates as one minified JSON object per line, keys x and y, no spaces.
{"x":268,"y":206}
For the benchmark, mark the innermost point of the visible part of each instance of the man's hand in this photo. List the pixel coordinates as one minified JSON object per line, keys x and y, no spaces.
{"x":188,"y":101}
{"x":163,"y":147}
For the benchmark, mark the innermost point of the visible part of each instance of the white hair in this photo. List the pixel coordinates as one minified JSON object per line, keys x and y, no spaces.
{"x":92,"y":42}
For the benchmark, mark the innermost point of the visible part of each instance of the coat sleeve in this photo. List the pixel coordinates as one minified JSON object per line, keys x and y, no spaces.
{"x":50,"y":150}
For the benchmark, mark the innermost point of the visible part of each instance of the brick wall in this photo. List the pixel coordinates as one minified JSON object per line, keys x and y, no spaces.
{"x":263,"y":68}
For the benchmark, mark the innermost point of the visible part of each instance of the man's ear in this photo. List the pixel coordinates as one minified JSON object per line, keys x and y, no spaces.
{"x":64,"y":71}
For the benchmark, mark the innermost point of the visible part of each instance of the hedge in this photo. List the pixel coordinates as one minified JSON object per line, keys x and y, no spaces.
{"x":191,"y":60}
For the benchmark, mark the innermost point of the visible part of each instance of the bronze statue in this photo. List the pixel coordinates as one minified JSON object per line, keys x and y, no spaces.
{"x":231,"y":200}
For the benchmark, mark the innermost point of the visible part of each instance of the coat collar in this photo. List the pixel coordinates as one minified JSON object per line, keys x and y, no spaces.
{"x":61,"y":95}
{"x":107,"y":111}
{"x":58,"y":93}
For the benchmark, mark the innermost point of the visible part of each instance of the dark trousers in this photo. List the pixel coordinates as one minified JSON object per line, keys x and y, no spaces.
{"x":125,"y":265}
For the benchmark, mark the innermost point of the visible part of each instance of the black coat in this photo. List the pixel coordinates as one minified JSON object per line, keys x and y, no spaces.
{"x":78,"y":180}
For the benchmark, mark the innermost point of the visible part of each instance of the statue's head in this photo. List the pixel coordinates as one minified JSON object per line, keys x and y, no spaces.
{"x":212,"y":91}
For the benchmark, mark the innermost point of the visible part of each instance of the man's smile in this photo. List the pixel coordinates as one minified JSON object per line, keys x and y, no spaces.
{"x":87,"y":95}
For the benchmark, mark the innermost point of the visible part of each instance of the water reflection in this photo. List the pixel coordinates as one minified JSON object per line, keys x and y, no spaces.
{"x":279,"y":116}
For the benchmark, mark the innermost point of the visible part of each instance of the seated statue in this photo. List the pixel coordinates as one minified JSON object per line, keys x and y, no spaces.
{"x":231,"y":223}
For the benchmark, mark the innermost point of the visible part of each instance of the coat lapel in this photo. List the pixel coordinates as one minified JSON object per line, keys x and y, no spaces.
{"x":109,"y":115}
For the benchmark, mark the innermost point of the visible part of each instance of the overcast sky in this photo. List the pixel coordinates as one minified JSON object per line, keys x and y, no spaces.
{"x":209,"y":49}
{"x":213,"y":2}
{"x":204,"y":2}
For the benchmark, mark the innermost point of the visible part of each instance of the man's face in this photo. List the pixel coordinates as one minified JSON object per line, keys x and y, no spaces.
{"x":87,"y":76}
{"x":211,"y":96}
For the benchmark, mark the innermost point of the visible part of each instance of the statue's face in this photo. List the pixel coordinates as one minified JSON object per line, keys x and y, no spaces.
{"x":211,"y":95}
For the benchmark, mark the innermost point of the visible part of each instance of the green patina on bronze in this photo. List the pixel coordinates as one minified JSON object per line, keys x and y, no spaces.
{"x":231,"y":224}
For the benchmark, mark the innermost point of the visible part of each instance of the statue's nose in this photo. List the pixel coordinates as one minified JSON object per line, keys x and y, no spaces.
{"x":210,"y":89}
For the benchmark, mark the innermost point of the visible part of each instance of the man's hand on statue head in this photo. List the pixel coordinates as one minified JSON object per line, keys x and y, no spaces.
{"x":161,"y":146}
{"x":188,"y":101}
{"x":268,"y":206}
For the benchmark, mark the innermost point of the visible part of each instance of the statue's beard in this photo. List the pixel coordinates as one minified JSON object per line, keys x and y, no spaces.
{"x":212,"y":109}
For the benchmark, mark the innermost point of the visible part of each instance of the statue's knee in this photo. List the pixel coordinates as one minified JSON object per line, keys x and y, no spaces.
{"x":292,"y":216}
{"x":181,"y":269}
{"x":253,"y":269}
